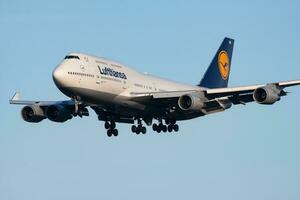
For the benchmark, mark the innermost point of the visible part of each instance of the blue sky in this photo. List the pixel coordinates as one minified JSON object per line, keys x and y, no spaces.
{"x":248,"y":152}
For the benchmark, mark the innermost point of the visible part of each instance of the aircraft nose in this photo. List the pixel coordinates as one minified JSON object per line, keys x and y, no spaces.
{"x":58,"y":76}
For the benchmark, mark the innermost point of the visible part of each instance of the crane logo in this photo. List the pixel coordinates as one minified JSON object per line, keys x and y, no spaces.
{"x":224,"y":65}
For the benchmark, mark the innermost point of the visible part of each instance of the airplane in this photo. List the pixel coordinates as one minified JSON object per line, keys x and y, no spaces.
{"x":119,"y":94}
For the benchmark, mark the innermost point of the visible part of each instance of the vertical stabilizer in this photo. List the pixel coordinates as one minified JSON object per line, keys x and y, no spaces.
{"x":217,"y":74}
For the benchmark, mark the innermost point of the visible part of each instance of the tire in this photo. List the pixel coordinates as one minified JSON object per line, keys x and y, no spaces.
{"x":109,"y":132}
{"x":133,"y":128}
{"x":160,"y":126}
{"x":140,"y":127}
{"x":154,"y":127}
{"x":144,"y":130}
{"x":176,"y":128}
{"x":106,"y":125}
{"x":170,"y":128}
{"x":115,"y":132}
{"x":138,"y":131}
{"x":164,"y":129}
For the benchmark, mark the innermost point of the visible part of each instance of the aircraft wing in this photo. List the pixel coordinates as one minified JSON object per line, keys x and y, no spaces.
{"x":239,"y":91}
{"x":16,"y":99}
{"x":237,"y":95}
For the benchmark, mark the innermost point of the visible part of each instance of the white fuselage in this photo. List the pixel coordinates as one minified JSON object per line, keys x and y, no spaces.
{"x":102,"y":81}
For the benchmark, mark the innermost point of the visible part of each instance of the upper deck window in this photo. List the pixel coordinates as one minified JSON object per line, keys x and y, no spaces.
{"x":72,"y":57}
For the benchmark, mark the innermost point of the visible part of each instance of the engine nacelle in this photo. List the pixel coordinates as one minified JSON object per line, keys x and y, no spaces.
{"x":190,"y":102}
{"x":33,"y":113}
{"x":58,"y":113}
{"x":266,"y":95}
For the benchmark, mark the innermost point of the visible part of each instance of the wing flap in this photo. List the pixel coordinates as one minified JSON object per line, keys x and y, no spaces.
{"x":162,"y":95}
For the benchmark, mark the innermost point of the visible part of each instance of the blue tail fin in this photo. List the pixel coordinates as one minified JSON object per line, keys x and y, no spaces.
{"x":217,"y":74}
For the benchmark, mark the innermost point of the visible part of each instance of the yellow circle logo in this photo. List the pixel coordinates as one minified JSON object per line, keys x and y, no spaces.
{"x":224,"y":65}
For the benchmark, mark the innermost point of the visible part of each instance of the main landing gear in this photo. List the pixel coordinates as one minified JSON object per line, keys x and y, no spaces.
{"x":111,"y":128}
{"x":170,"y":126}
{"x":139,"y":128}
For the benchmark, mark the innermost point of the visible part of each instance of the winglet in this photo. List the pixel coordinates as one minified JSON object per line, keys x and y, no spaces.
{"x":16,"y":97}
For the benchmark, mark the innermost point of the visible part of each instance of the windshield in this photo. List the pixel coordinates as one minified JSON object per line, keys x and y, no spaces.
{"x":72,"y":57}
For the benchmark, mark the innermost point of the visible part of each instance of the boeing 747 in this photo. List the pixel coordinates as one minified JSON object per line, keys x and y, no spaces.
{"x":119,"y":94}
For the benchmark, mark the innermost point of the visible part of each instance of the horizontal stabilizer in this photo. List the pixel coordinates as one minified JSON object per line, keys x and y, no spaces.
{"x":16,"y":97}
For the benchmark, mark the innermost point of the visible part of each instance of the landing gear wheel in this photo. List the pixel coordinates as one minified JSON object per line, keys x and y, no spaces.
{"x":154,"y":127}
{"x":164,"y":129}
{"x":160,"y":126}
{"x":133,"y":128}
{"x":170,"y":128}
{"x":109,"y":132}
{"x":175,"y":127}
{"x":115,"y":132}
{"x":144,"y":130}
{"x":140,"y":127}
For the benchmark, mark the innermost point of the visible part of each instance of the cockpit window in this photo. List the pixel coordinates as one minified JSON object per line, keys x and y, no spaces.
{"x":72,"y":57}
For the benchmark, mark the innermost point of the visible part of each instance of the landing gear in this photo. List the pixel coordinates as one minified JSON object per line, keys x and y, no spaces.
{"x":139,"y":128}
{"x":112,"y":132}
{"x":176,"y":127}
{"x":111,"y":128}
{"x":163,"y":127}
{"x":171,"y":126}
{"x":159,"y":128}
{"x":167,"y":125}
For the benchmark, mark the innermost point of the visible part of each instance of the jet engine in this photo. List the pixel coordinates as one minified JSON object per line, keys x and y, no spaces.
{"x":33,"y":113}
{"x":267,"y":95}
{"x":58,"y":113}
{"x":190,"y":102}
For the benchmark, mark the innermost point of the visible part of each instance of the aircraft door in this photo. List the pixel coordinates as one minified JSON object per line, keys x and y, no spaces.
{"x":82,"y":69}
